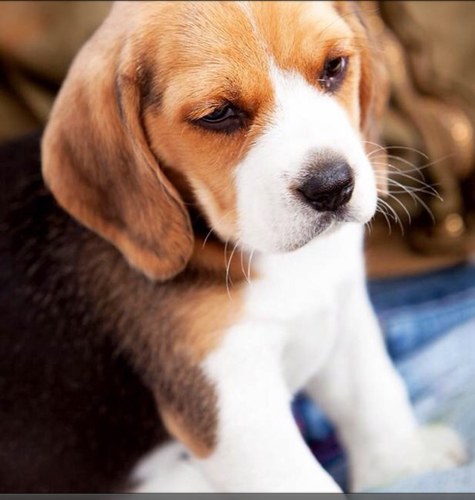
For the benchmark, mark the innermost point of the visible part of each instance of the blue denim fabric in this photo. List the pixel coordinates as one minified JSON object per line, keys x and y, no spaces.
{"x":415,"y":310}
{"x":442,"y":377}
{"x":419,"y":317}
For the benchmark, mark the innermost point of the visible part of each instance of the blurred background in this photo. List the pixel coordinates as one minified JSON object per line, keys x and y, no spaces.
{"x":420,"y":246}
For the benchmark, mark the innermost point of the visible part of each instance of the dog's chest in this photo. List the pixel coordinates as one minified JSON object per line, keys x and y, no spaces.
{"x":300,"y":296}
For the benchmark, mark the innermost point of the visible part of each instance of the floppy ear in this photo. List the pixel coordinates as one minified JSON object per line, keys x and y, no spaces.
{"x":374,"y":80}
{"x":98,"y":164}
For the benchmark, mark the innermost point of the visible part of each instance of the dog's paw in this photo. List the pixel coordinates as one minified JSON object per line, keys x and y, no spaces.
{"x":443,"y":446}
{"x":435,"y":447}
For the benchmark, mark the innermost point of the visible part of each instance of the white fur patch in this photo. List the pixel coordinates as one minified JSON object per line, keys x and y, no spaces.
{"x":304,"y":122}
{"x":169,"y":469}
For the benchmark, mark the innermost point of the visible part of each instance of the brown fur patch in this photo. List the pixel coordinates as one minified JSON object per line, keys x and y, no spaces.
{"x":166,"y":330}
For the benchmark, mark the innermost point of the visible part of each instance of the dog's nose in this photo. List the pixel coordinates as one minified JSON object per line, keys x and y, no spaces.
{"x":329,"y":187}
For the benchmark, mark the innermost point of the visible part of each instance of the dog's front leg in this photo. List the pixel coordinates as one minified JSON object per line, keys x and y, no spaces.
{"x":258,"y":446}
{"x":362,"y":393}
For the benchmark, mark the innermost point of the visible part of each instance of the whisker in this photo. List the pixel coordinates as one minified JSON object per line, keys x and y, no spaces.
{"x":421,"y":182}
{"x":418,"y":199}
{"x":211,"y":231}
{"x":207,"y":237}
{"x":381,"y":209}
{"x":380,"y":146}
{"x":393,"y":213}
{"x":249,"y":267}
{"x":405,"y":190}
{"x":229,"y":280}
{"x":408,"y":148}
{"x":434,"y":162}
{"x":242,"y":263}
{"x":428,"y":190}
{"x":225,"y":252}
{"x":390,"y":212}
{"x":419,"y":167}
{"x":402,"y":206}
{"x":369,"y":225}
{"x":413,"y":167}
{"x":402,"y":148}
{"x":425,"y":206}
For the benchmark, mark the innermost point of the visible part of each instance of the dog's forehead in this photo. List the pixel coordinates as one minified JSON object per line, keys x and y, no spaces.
{"x":287,"y":26}
{"x":246,"y":33}
{"x":202,"y":46}
{"x":277,"y":26}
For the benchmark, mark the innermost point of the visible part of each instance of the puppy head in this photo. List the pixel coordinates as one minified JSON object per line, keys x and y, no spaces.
{"x":260,"y":109}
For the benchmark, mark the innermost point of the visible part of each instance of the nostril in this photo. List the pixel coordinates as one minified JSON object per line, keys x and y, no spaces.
{"x":346,"y":192}
{"x":330,"y":187}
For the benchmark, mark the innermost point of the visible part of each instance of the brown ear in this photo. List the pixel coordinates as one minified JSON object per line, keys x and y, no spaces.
{"x":99,"y":166}
{"x":374,"y":80}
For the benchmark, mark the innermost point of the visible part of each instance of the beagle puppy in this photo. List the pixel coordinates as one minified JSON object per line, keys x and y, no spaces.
{"x":197,"y":258}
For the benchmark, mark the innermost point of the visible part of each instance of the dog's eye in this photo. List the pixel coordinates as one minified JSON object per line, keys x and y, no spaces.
{"x":333,"y":73}
{"x":226,"y":119}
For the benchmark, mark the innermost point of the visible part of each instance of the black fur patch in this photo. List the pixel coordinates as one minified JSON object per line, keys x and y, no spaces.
{"x":74,"y":415}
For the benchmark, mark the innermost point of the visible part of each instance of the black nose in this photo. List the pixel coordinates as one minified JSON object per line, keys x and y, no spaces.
{"x":330,"y":185}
